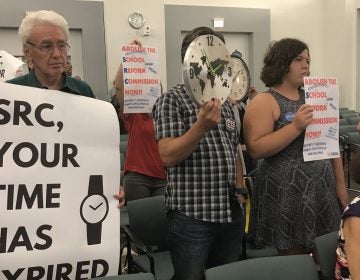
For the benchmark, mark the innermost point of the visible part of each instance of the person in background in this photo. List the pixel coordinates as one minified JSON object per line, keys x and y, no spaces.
{"x":239,"y":108}
{"x":44,"y":35}
{"x":252,"y":92}
{"x":144,"y":174}
{"x":205,"y":180}
{"x":111,"y":92}
{"x":116,"y":104}
{"x":296,"y":200}
{"x":348,"y":250}
{"x":29,"y":65}
{"x":68,"y":68}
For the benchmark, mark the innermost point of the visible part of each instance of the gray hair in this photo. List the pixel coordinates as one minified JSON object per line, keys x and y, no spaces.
{"x":41,"y":17}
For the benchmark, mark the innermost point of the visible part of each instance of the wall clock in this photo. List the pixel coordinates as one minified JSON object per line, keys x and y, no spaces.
{"x":136,"y":20}
{"x":240,"y":78}
{"x":206,"y":69}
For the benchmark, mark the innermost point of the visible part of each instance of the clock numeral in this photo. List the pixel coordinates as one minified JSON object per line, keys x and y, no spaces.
{"x":230,"y":71}
{"x":191,"y":73}
{"x":210,"y":40}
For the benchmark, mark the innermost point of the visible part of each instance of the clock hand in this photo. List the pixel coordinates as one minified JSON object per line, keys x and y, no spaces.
{"x":96,"y":207}
{"x":206,"y":57}
{"x":208,"y":64}
{"x":235,"y":76}
{"x":216,"y":68}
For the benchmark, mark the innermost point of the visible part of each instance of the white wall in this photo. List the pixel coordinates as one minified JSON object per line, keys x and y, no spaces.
{"x":341,"y":48}
{"x":296,"y":19}
{"x":119,"y":32}
{"x":329,"y":27}
{"x":351,"y":49}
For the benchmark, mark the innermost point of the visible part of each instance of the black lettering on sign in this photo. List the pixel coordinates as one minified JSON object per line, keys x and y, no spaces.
{"x":80,"y":270}
{"x":38,"y":116}
{"x":15,"y":276}
{"x":99,"y":264}
{"x":5,"y":116}
{"x":40,"y":232}
{"x":2,"y":73}
{"x":61,"y":271}
{"x":22,"y":110}
{"x":68,"y":153}
{"x":22,"y":239}
{"x":36,"y":273}
{"x":36,"y":197}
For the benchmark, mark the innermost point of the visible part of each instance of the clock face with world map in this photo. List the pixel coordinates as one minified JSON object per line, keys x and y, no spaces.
{"x":240,"y":77}
{"x":206,"y":69}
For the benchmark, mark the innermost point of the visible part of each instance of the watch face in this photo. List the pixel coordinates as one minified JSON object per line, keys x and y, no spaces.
{"x":94,"y":209}
{"x":206,"y":69}
{"x":240,"y":79}
{"x":136,"y":20}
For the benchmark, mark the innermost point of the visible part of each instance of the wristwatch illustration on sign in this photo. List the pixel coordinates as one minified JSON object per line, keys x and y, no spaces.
{"x":206,"y":69}
{"x":94,"y":209}
{"x":241,"y":77}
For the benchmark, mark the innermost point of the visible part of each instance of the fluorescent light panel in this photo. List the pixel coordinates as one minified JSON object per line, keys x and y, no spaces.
{"x":218,"y":22}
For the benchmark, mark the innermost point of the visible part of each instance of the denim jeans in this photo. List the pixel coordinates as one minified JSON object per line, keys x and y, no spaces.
{"x":196,"y":245}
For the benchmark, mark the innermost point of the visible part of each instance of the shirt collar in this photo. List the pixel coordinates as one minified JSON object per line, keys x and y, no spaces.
{"x":67,"y":84}
{"x":33,"y":80}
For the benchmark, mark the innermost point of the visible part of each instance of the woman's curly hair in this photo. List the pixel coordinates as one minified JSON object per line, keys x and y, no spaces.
{"x":278,"y":59}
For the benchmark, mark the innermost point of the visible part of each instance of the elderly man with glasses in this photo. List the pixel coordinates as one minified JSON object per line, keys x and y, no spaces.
{"x":44,"y":35}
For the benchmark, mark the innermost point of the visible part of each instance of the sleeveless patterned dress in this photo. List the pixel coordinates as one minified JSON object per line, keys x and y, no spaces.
{"x":296,"y":200}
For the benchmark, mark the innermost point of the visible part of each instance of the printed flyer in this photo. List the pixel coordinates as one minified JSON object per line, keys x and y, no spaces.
{"x":141,"y":78}
{"x":322,"y":135}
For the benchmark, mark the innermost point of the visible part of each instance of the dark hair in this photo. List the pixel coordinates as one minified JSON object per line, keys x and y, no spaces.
{"x":278,"y":59}
{"x":115,"y":102}
{"x":193,"y":34}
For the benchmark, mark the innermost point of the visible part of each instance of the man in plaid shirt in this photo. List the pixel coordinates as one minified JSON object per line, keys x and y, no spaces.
{"x":205,"y":180}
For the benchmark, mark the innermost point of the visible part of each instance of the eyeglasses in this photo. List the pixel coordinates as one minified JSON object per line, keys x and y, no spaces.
{"x":49,"y":47}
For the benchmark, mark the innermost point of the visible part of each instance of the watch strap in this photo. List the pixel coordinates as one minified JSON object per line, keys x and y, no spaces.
{"x":95,"y":185}
{"x":93,"y":232}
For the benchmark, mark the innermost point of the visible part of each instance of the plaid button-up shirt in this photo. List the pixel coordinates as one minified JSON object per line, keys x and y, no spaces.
{"x":198,"y":186}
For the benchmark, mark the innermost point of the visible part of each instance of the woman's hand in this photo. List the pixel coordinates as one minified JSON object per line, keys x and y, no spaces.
{"x":303,"y":117}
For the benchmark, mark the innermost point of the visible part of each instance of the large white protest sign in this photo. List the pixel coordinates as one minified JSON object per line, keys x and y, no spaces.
{"x":9,"y":66}
{"x":59,"y":170}
{"x":322,"y":135}
{"x":141,"y":78}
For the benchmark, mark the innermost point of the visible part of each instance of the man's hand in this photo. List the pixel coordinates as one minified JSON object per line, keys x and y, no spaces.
{"x":209,"y":114}
{"x":136,"y":42}
{"x":120,"y":196}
